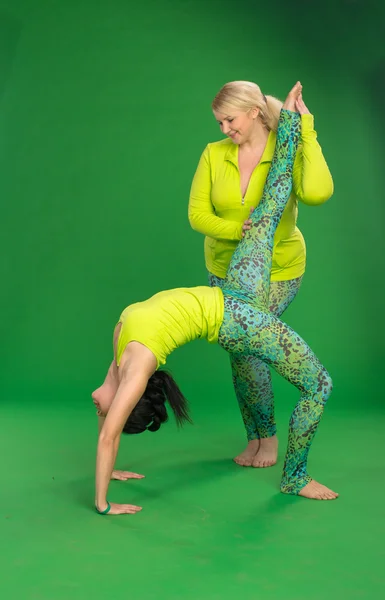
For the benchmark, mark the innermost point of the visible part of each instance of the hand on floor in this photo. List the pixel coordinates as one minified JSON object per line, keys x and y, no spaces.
{"x":124,"y":475}
{"x":123,"y":509}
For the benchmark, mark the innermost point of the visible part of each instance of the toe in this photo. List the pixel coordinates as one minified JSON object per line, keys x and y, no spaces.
{"x":242,"y":462}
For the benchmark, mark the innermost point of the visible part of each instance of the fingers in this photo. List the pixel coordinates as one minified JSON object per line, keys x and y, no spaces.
{"x":124,"y":509}
{"x":301,"y":106}
{"x":124,"y":475}
{"x":130,"y":509}
{"x":129,"y":475}
{"x":247,"y":224}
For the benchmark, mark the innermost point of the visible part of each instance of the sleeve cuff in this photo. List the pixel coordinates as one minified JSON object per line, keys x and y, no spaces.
{"x":239,"y":232}
{"x":307,"y":123}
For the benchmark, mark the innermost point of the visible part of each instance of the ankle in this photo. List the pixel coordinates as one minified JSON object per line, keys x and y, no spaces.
{"x":269,"y":440}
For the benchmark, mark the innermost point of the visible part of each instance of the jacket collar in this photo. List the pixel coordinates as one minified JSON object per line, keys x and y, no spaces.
{"x":267,"y":156}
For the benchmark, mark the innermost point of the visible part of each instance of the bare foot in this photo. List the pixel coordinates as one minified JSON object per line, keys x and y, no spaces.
{"x":292,"y":98}
{"x":246,"y":457}
{"x":267,"y":453}
{"x":316,"y":491}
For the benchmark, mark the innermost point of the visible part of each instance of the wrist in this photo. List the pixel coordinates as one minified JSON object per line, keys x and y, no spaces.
{"x":307,"y":123}
{"x":103,"y":511}
{"x":101,"y":505}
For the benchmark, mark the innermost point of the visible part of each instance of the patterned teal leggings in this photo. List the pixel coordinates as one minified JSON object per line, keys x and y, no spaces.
{"x":250,"y":329}
{"x":251,"y":376}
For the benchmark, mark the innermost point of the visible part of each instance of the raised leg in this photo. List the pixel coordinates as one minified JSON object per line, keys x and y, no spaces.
{"x":249,"y":330}
{"x":248,"y":275}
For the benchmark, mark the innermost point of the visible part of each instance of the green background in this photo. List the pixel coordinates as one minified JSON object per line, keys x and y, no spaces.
{"x":104,"y":112}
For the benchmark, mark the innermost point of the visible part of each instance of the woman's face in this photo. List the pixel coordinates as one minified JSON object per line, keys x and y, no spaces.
{"x":237,"y":125}
{"x":102,"y":402}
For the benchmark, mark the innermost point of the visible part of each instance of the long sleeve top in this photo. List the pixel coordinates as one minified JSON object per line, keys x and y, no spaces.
{"x":217,"y":209}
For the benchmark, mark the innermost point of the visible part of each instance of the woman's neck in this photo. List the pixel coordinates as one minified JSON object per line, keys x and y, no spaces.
{"x":257,"y":138}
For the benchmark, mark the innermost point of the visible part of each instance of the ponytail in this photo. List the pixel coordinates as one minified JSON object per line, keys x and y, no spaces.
{"x":151,"y":412}
{"x":269,"y":114}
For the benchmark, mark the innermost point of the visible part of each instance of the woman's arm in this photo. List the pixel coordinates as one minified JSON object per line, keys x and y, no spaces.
{"x":130,"y":390}
{"x":312,"y":181}
{"x":116,"y":473}
{"x":201,"y":212}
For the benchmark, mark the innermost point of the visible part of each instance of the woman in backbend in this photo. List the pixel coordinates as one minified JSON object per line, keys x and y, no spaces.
{"x":236,"y":315}
{"x":229,"y":181}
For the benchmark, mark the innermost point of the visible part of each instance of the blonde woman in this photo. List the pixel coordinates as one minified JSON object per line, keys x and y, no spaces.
{"x":227,"y":186}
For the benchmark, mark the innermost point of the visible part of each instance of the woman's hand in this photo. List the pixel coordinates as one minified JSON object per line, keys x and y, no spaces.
{"x":122,"y":509}
{"x":301,"y":106}
{"x":124,"y":475}
{"x":247,"y":224}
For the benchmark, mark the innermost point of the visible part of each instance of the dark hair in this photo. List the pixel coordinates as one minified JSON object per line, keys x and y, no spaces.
{"x":151,"y":412}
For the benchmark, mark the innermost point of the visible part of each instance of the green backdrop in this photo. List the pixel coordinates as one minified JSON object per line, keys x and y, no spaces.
{"x":104,"y":112}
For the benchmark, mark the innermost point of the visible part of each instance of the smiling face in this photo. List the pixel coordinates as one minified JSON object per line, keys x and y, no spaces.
{"x":102,"y":399}
{"x":101,"y":412}
{"x":236,"y":124}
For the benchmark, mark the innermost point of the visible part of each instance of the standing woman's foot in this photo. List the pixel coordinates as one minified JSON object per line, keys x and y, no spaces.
{"x":246,"y":457}
{"x":292,"y":98}
{"x":267,"y":453}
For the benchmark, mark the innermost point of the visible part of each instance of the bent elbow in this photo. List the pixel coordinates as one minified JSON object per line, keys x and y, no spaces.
{"x":194,"y":221}
{"x":315,"y":197}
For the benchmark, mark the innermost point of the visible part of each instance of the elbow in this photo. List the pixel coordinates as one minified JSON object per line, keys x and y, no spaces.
{"x":194,"y":222}
{"x":316,"y":197}
{"x":107,"y":440}
{"x":191,"y":220}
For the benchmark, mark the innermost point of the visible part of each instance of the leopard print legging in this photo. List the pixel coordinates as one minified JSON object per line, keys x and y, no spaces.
{"x":250,"y":329}
{"x":251,"y":376}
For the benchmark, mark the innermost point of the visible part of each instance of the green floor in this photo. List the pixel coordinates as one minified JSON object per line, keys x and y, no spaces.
{"x":208,"y":529}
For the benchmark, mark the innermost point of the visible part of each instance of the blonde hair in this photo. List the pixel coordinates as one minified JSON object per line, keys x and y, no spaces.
{"x":245,"y":95}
